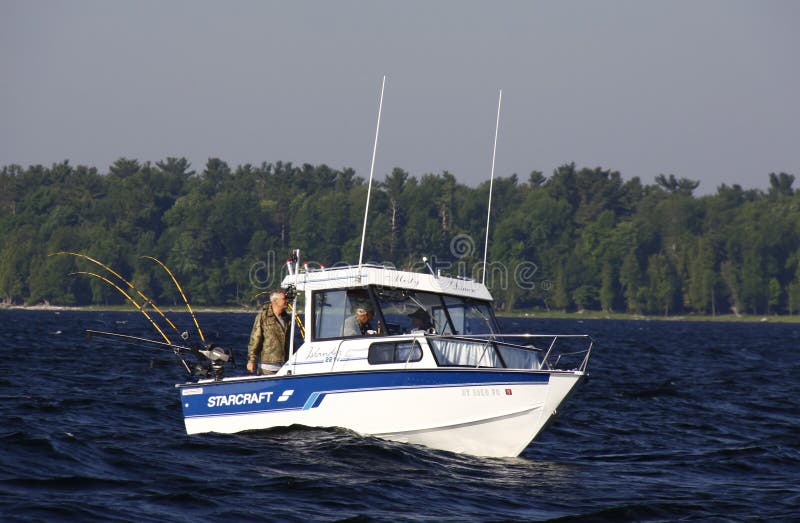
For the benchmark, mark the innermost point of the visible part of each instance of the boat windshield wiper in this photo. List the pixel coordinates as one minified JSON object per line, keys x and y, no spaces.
{"x":419,"y":304}
{"x":475,"y":307}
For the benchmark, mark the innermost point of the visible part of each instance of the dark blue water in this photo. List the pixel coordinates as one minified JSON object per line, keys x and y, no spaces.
{"x":679,"y":421}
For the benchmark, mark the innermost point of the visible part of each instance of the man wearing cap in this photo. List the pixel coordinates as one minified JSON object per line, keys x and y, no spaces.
{"x":359,"y":325}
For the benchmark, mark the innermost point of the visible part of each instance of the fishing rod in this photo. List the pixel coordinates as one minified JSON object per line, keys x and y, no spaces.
{"x":92,"y":332}
{"x":186,"y":301}
{"x":210,"y":358}
{"x":128,"y":297}
{"x":176,"y":349}
{"x":130,"y":285}
{"x":299,"y":322}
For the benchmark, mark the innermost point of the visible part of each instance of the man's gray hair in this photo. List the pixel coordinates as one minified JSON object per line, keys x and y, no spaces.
{"x":275,"y":293}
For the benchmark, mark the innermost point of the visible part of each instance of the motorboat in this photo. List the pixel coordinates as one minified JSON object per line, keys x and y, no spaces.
{"x":432,"y":366}
{"x":414,"y":356}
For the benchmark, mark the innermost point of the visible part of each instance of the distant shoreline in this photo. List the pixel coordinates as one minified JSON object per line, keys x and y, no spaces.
{"x":581,"y":315}
{"x":600,"y":315}
{"x":125,"y":308}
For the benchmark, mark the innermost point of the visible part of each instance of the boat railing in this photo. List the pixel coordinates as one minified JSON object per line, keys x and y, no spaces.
{"x":514,"y":351}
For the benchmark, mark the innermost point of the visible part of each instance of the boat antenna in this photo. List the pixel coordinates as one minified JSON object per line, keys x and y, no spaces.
{"x":428,"y":265}
{"x":371,"y":171}
{"x":491,"y":182}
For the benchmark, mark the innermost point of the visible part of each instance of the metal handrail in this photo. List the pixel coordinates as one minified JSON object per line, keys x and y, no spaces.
{"x":545,"y":362}
{"x":483,"y":354}
{"x":584,"y":362}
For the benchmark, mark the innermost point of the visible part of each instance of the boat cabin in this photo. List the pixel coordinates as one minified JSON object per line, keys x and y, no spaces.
{"x":404,"y":304}
{"x":359,"y":317}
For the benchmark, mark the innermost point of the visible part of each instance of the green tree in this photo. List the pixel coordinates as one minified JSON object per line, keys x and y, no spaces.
{"x":584,"y":296}
{"x":780,"y":184}
{"x":585,"y":237}
{"x":731,"y":276}
{"x":663,"y":283}
{"x":560,"y":292}
{"x":793,"y":297}
{"x":677,"y":185}
{"x":773,"y":295}
{"x":124,"y":167}
{"x":394,"y":186}
{"x":607,"y":288}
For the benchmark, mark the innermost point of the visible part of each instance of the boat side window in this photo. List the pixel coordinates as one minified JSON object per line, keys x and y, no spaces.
{"x":330,"y":309}
{"x":450,"y":352}
{"x":335,"y":310}
{"x":394,"y":352}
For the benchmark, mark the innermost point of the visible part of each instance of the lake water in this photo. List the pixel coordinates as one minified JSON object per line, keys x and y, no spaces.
{"x":678,"y":421}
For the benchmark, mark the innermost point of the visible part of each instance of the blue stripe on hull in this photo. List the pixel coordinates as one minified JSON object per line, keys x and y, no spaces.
{"x":307,"y":392}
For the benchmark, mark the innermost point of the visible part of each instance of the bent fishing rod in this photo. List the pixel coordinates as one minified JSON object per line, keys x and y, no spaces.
{"x":210,"y":358}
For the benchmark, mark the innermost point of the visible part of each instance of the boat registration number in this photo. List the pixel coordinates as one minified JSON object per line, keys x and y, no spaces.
{"x":483,"y":392}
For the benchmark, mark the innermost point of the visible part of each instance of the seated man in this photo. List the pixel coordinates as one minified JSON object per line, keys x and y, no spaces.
{"x":420,"y":320}
{"x":359,"y":325}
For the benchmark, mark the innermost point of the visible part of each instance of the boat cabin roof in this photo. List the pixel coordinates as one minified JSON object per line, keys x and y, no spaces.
{"x":353,"y":276}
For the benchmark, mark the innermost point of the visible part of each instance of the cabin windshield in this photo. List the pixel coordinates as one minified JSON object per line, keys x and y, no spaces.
{"x":397,"y":311}
{"x":409,"y":311}
{"x":406,"y":311}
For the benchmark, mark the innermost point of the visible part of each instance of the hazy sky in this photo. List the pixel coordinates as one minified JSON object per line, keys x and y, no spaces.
{"x":702,"y":89}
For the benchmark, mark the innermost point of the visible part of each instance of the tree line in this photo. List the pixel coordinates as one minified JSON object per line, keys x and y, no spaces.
{"x":579,"y":239}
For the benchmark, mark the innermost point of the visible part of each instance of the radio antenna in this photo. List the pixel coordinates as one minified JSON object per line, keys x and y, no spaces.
{"x":371,"y":171}
{"x":491,"y":182}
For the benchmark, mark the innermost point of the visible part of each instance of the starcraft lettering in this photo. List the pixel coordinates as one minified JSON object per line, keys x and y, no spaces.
{"x":239,"y":399}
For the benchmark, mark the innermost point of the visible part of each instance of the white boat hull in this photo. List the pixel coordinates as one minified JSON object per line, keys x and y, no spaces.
{"x":474,"y":411}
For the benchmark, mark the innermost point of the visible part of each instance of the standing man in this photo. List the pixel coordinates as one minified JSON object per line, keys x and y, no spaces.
{"x":269,"y":340}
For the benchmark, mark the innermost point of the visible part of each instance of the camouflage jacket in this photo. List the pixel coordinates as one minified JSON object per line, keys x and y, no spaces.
{"x":269,"y":342}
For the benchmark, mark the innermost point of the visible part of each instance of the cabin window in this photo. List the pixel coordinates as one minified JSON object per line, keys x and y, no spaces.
{"x":470,"y":316}
{"x":396,"y":352}
{"x":440,"y":320}
{"x":335,"y":313}
{"x":464,"y":353}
